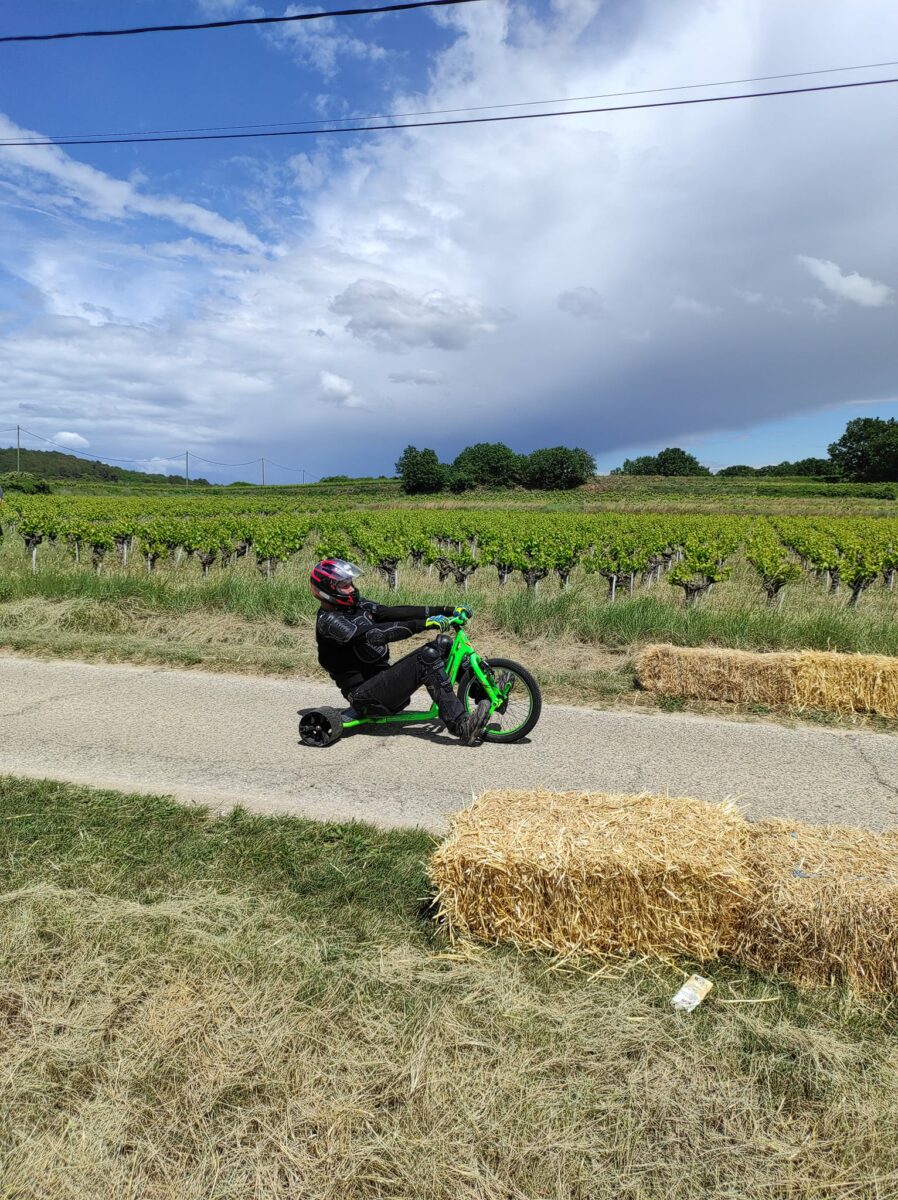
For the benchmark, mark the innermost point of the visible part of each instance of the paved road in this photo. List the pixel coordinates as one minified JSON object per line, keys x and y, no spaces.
{"x":225,"y":739}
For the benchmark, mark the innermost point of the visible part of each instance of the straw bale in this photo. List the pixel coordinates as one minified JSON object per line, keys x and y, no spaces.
{"x":703,"y":673}
{"x":846,"y":682}
{"x":579,"y":873}
{"x":824,"y":907}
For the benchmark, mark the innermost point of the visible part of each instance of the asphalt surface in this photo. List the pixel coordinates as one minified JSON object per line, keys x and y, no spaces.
{"x":225,"y":740}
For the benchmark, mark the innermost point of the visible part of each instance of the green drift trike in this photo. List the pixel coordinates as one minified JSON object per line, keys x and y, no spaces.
{"x":512,"y":691}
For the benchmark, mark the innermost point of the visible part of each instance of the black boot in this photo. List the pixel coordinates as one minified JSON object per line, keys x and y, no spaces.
{"x":469,"y":728}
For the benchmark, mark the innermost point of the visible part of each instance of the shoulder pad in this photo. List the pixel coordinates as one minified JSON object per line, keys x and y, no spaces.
{"x":335,"y":626}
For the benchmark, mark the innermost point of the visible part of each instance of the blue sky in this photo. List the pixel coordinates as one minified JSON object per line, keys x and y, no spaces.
{"x":722,"y":278}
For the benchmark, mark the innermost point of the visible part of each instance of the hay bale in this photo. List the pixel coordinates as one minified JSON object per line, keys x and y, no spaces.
{"x":578,"y":873}
{"x":737,"y":676}
{"x":824,"y":907}
{"x":842,"y":683}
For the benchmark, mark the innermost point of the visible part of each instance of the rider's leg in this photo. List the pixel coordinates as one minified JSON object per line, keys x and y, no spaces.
{"x":466,"y":726}
{"x":392,"y":689}
{"x":389,"y":691}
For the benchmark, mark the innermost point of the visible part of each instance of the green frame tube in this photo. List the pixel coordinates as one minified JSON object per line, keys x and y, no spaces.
{"x":461,"y":649}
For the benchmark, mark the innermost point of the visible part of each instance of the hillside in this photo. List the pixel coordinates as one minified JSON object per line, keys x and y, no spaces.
{"x":53,"y":464}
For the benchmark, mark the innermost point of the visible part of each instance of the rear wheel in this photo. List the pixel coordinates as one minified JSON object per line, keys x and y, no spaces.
{"x":320,"y":726}
{"x":518,"y":713}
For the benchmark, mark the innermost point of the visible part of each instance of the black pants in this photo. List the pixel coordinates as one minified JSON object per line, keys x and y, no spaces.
{"x":391,"y":690}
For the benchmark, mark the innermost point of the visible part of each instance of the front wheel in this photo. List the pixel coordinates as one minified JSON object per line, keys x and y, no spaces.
{"x":518,"y":713}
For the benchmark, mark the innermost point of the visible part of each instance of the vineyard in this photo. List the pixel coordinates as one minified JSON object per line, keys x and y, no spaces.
{"x":615,"y":554}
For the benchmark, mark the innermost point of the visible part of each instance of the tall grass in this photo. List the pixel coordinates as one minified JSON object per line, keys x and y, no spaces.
{"x":735,"y":615}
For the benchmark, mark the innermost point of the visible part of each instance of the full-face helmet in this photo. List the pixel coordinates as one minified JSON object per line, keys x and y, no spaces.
{"x":332,"y":582}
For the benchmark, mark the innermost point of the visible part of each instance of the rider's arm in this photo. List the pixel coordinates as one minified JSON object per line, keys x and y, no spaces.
{"x":407,"y":612}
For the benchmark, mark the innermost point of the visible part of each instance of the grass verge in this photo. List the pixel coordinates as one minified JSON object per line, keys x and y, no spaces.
{"x":254,"y":1007}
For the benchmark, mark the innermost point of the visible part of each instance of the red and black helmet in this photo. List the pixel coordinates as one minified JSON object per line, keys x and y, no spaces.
{"x":332,"y":582}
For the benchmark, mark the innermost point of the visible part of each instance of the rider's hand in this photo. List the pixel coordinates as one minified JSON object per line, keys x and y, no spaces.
{"x":438,"y":621}
{"x":463,"y":612}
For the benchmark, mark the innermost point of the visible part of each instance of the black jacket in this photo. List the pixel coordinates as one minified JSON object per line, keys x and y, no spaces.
{"x":352,"y":642}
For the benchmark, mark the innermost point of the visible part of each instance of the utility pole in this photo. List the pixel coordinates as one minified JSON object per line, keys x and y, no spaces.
{"x":263,"y":472}
{"x":303,"y":476}
{"x":18,"y":450}
{"x":187,"y":467}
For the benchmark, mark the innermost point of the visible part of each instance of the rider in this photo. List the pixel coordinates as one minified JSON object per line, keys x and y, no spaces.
{"x":352,"y":635}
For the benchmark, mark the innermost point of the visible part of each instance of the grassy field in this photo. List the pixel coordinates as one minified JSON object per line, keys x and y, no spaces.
{"x":620,"y":493}
{"x":259,"y":1008}
{"x":580,"y":646}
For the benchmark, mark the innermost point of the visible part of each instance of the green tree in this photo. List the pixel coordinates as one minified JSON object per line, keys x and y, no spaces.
{"x":490,"y":464}
{"x":646,"y":464}
{"x":674,"y":461}
{"x":868,"y":450}
{"x":558,"y":468}
{"x":420,"y":471}
{"x":739,"y":470}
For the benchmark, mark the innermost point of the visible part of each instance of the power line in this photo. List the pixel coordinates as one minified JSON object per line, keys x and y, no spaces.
{"x":232,"y":23}
{"x":436,"y":112}
{"x":295,"y":470}
{"x":84,"y":453}
{"x":212,"y":463}
{"x":573,"y":112}
{"x":156,"y":459}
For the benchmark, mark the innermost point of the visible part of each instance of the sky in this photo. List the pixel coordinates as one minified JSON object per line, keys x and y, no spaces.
{"x":722,"y":277}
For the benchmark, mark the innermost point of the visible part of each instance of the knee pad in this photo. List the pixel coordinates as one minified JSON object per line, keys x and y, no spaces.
{"x":430,"y":655}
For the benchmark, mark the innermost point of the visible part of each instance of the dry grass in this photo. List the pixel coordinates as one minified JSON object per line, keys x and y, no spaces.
{"x":824,"y":905}
{"x":579,"y":873}
{"x":807,"y":679}
{"x":250,"y":1009}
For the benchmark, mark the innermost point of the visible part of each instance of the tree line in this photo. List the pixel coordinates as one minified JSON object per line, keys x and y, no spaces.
{"x":494,"y":465}
{"x":867,"y":452}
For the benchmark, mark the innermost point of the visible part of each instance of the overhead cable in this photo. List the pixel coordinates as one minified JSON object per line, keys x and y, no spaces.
{"x":212,"y":463}
{"x":572,"y":112}
{"x":85,"y":454}
{"x":230,"y":23}
{"x":156,"y":459}
{"x":437,"y":112}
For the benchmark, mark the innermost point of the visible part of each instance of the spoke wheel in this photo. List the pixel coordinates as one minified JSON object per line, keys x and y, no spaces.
{"x":519,"y":711}
{"x":320,"y":727}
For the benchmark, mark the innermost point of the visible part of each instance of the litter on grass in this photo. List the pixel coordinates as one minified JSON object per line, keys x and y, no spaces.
{"x":692,"y":993}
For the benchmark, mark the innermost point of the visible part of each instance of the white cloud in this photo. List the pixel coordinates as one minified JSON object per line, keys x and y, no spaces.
{"x":74,"y":441}
{"x":337,"y":390}
{"x":323,"y":44}
{"x":583,"y":302}
{"x":84,"y":189}
{"x":869,"y":293}
{"x":392,"y":318}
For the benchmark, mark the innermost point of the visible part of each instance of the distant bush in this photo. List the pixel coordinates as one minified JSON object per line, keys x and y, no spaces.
{"x":23,"y":481}
{"x":671,"y":461}
{"x":558,"y":468}
{"x":488,"y":464}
